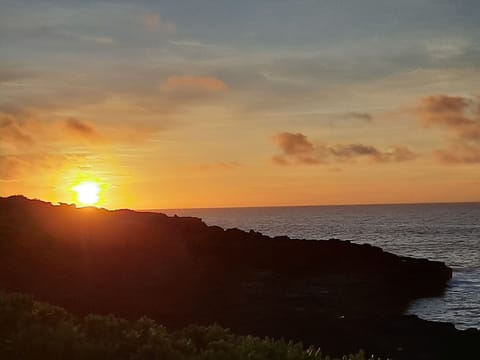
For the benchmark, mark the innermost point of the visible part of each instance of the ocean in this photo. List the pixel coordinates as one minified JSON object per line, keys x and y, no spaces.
{"x":444,"y":232}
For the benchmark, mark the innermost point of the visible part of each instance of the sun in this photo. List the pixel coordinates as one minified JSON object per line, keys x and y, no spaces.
{"x":87,"y":192}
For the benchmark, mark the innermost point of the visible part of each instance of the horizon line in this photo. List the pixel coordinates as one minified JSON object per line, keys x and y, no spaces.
{"x":314,"y":205}
{"x":55,"y":203}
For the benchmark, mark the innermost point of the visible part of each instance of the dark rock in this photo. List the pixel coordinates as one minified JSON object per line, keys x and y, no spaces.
{"x":334,"y":294}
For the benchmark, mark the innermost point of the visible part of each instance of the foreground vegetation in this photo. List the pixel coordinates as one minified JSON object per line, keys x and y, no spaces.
{"x":36,"y":330}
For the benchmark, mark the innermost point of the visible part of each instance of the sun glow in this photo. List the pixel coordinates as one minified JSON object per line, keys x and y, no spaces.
{"x":87,"y":193}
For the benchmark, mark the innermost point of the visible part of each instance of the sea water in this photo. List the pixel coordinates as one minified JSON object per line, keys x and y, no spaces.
{"x":444,"y":232}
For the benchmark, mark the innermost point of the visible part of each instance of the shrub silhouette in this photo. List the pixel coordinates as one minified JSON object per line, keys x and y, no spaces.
{"x":31,"y":330}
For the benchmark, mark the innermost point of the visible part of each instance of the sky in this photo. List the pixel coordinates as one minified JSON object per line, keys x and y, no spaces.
{"x":177,"y":104}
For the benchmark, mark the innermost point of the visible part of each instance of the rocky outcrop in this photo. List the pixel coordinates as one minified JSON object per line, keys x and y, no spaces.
{"x":334,"y":294}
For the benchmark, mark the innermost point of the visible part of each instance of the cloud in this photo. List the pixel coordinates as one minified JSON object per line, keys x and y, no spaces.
{"x":193,"y":84}
{"x":97,"y":39}
{"x":81,"y":132}
{"x":190,"y":43}
{"x":80,"y":128}
{"x":445,"y":49}
{"x":32,"y":145}
{"x":358,"y":115}
{"x":153,"y":22}
{"x":26,"y":130}
{"x":292,"y":144}
{"x":352,"y":150}
{"x":399,"y":153}
{"x":17,"y":166}
{"x":459,"y":118}
{"x":445,"y":111}
{"x":295,"y":148}
{"x":12,"y":132}
{"x":396,"y":153}
{"x":459,"y":153}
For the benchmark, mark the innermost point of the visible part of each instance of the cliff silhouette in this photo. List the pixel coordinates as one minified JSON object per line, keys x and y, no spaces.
{"x":179,"y":271}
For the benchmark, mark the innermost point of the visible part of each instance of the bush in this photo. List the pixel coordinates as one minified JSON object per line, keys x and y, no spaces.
{"x":31,"y":330}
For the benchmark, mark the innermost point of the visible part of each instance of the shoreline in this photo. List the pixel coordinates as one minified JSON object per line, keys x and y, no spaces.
{"x":178,"y":270}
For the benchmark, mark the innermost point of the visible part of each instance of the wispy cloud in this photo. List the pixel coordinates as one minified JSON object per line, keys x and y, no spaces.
{"x":153,"y":22}
{"x":455,"y":114}
{"x":363,"y":116}
{"x":17,"y":166}
{"x":448,"y":48}
{"x":77,"y":127}
{"x":12,"y":132}
{"x":395,"y":153}
{"x":296,"y":149}
{"x":459,"y":118}
{"x":191,"y":43}
{"x":193,"y":83}
{"x":458,"y":153}
{"x":97,"y":39}
{"x":26,"y":129}
{"x":32,"y":144}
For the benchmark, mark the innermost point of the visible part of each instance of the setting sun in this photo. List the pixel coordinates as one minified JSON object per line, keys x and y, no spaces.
{"x":87,"y":193}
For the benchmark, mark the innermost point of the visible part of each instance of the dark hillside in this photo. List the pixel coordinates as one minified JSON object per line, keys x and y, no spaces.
{"x":333,"y":294}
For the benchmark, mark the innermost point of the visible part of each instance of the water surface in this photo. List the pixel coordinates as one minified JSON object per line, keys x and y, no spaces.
{"x":444,"y":232}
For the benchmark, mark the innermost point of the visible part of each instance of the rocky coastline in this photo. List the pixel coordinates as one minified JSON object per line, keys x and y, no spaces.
{"x":177,"y":270}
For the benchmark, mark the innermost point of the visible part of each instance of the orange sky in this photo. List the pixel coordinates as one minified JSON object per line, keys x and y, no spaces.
{"x":164,"y":112}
